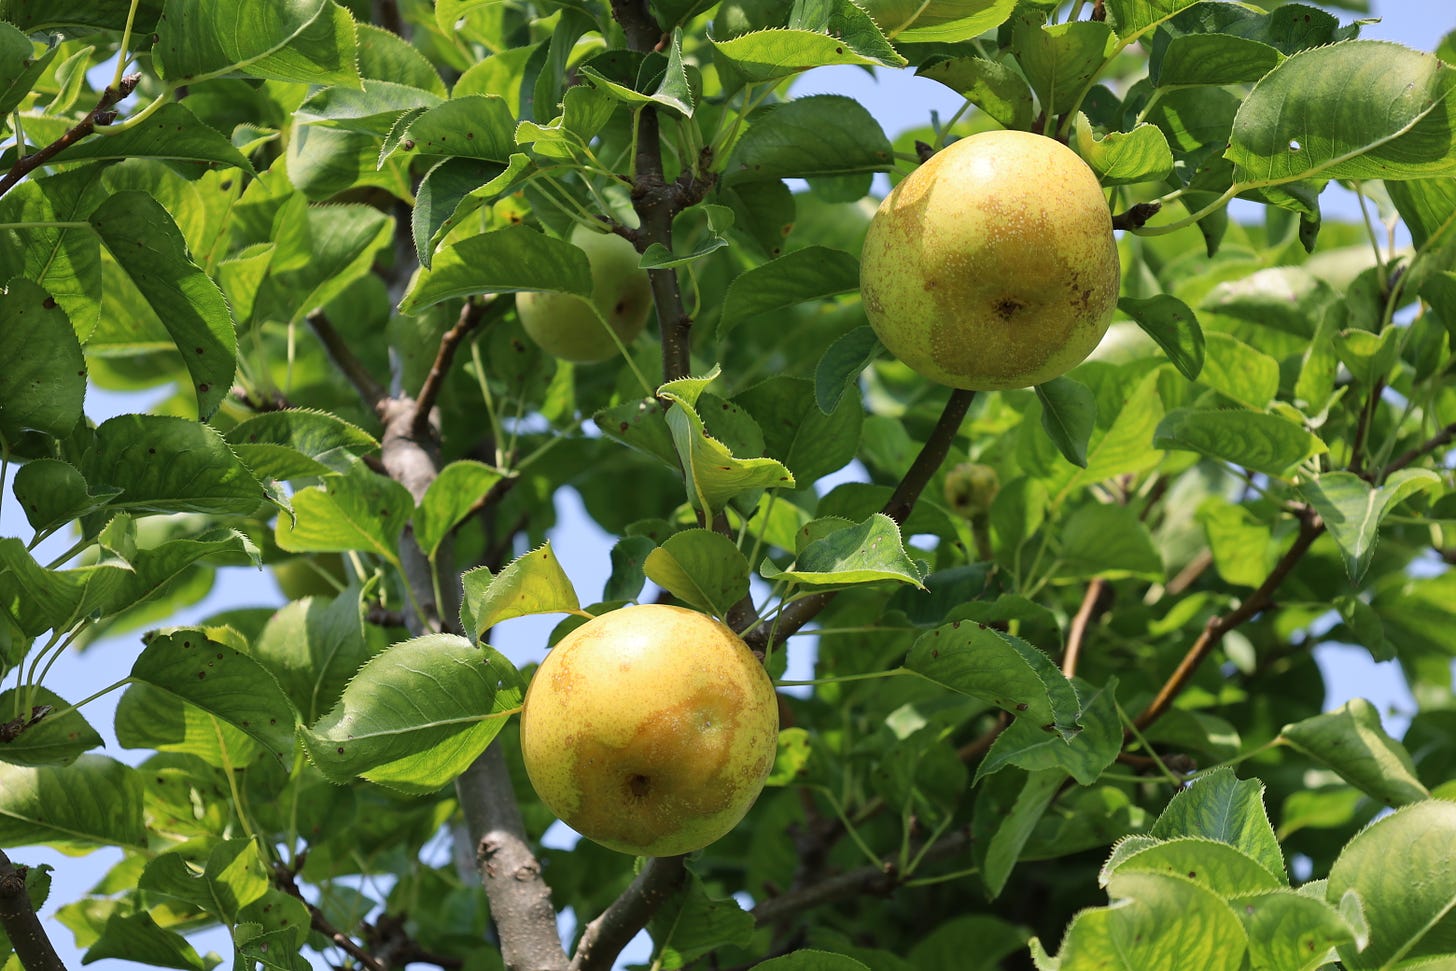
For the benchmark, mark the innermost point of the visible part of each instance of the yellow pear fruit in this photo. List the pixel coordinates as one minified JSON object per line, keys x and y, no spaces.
{"x":564,"y":324}
{"x":993,"y":265}
{"x":650,"y":729}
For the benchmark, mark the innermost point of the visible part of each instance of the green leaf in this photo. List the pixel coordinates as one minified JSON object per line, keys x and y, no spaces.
{"x":233,"y":876}
{"x":453,"y":189}
{"x":1217,"y":866}
{"x":1157,"y":923}
{"x":638,"y":80}
{"x":693,"y":922}
{"x":818,"y":135}
{"x":1286,"y":298}
{"x":868,"y":552}
{"x":1068,"y":413}
{"x":1263,"y":443}
{"x":629,"y":560}
{"x":43,"y":245}
{"x":1240,"y":373}
{"x":842,"y":364}
{"x":321,"y":252}
{"x":642,"y":425}
{"x":172,"y":133}
{"x":1134,"y":17}
{"x":701,"y":568}
{"x":54,"y":733}
{"x":449,"y":499}
{"x":148,"y":717}
{"x":312,"y":647}
{"x":1061,"y":59}
{"x":1402,"y":868}
{"x":1174,"y":325}
{"x":138,"y":938}
{"x":1353,"y":509}
{"x":1356,"y":110}
{"x":1122,"y":158}
{"x":1215,"y":59}
{"x":149,"y":248}
{"x":811,"y":960}
{"x":359,"y":510}
{"x":308,"y":41}
{"x":1026,"y":745}
{"x":1368,"y":356}
{"x":1292,"y":930}
{"x":953,"y":21}
{"x":473,"y":126}
{"x":43,"y":383}
{"x":220,"y":680}
{"x":532,"y":583}
{"x":796,"y":432}
{"x":169,"y":465}
{"x":995,"y":87}
{"x":811,"y":273}
{"x":999,"y":668}
{"x":504,"y":261}
{"x":1108,"y":541}
{"x":53,"y":493}
{"x":1001,"y":831}
{"x":298,"y":443}
{"x":769,"y":55}
{"x":416,"y":715}
{"x":714,"y":474}
{"x":1221,"y":807}
{"x":1352,"y":741}
{"x":94,"y":801}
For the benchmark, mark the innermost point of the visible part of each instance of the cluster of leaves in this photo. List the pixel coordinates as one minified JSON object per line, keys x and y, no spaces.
{"x":304,"y":221}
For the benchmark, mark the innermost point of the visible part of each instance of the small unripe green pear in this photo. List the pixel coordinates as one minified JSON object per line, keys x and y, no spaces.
{"x":564,"y":324}
{"x":993,"y":265}
{"x":970,"y":488}
{"x":650,"y":729}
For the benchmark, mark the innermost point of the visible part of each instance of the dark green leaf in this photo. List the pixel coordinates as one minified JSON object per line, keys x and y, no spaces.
{"x":504,"y":261}
{"x":701,"y":568}
{"x":1068,"y":413}
{"x":812,"y":273}
{"x":1263,"y":443}
{"x":43,"y":383}
{"x":94,"y":801}
{"x":309,"y":41}
{"x":168,"y":465}
{"x":51,"y":731}
{"x":1219,"y":806}
{"x":416,"y":715}
{"x":796,"y":432}
{"x":173,"y":133}
{"x":842,"y":364}
{"x":147,"y":245}
{"x":819,"y":135}
{"x":995,"y":87}
{"x":1027,"y":745}
{"x":1174,"y":325}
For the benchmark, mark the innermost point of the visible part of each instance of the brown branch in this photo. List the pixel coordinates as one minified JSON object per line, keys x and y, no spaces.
{"x":471,"y":315}
{"x":879,"y":880}
{"x":22,"y":924}
{"x":901,"y":503}
{"x":353,"y":369}
{"x":1443,"y":437}
{"x":980,"y":745}
{"x":605,"y":937}
{"x":1077,"y":633}
{"x":1310,"y":528}
{"x":101,"y":115}
{"x":1190,"y":573}
{"x":285,"y":879}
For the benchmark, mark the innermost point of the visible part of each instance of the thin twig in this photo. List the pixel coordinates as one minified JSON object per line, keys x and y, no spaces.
{"x":101,"y":115}
{"x":284,"y":879}
{"x":471,"y":315}
{"x":1077,"y":633}
{"x":1444,"y":437}
{"x":373,"y":393}
{"x":866,"y":880}
{"x":1310,"y":529}
{"x":901,"y":503}
{"x":22,"y":924}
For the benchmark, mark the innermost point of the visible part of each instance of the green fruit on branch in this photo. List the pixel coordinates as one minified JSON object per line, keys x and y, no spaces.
{"x":566,"y":326}
{"x":970,"y":488}
{"x":993,"y":265}
{"x":650,"y":730}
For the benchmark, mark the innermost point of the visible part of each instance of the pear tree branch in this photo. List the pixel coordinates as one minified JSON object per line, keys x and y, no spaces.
{"x":605,"y":937}
{"x":103,"y":114}
{"x":22,"y":924}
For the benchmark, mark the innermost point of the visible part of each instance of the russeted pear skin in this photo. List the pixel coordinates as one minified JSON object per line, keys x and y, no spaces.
{"x":563,"y":325}
{"x":993,"y":265}
{"x":650,"y":729}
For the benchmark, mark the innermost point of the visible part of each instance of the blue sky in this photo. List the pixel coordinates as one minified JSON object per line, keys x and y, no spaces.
{"x":899,"y":101}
